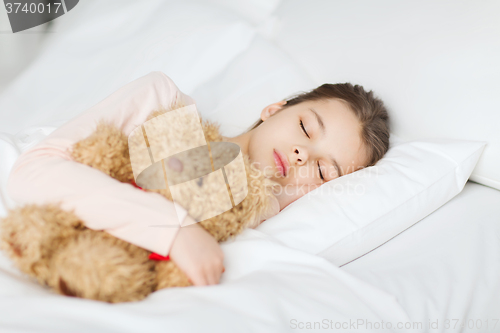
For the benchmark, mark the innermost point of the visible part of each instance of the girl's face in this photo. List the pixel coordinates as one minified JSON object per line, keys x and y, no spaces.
{"x":317,"y":141}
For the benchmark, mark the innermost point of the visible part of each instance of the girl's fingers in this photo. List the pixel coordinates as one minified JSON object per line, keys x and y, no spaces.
{"x":216,"y":275}
{"x":200,"y":279}
{"x":207,"y":278}
{"x":212,"y":278}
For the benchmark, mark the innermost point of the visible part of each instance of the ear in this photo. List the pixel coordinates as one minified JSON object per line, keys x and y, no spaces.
{"x":271,"y":109}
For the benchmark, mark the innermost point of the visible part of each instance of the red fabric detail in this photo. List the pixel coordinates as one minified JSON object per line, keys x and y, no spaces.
{"x":156,"y":256}
{"x":135,"y":185}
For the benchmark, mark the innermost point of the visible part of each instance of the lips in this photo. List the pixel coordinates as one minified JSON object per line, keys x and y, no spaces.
{"x":281,"y":162}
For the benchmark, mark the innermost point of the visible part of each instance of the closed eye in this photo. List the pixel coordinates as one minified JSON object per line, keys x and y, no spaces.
{"x":319,"y":168}
{"x":302,"y":125}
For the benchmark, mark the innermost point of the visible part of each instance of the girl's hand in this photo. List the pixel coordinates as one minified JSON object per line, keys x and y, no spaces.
{"x":197,"y":254}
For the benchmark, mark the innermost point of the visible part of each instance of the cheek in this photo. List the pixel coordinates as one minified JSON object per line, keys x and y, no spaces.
{"x":256,"y":154}
{"x":261,"y":141}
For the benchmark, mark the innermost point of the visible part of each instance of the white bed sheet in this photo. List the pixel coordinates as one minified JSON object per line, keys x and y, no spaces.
{"x":445,"y":267}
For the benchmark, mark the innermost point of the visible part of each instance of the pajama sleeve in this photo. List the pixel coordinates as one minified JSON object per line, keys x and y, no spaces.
{"x":45,"y":173}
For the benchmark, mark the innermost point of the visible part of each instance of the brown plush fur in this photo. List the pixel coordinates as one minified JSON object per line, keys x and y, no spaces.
{"x":55,"y":247}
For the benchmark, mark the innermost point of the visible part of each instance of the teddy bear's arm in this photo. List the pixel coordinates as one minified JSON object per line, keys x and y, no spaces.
{"x":46,"y":173}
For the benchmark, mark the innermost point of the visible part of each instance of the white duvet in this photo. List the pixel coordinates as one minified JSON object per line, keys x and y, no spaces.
{"x":267,"y":287}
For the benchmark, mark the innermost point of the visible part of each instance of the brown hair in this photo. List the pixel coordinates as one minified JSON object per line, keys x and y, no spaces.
{"x":369,"y":110}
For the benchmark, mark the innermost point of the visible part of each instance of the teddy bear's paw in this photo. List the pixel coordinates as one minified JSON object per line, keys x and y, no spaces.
{"x":30,"y":234}
{"x":168,"y":275}
{"x":95,"y":265}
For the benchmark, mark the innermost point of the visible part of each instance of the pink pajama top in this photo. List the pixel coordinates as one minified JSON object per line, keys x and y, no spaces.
{"x":46,"y":173}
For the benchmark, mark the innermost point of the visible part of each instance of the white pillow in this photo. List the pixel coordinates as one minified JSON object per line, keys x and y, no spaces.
{"x":336,"y":225}
{"x":351,"y":215}
{"x":101,"y":45}
{"x":425,"y":174}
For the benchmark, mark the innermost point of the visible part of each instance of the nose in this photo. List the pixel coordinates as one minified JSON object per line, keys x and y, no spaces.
{"x":301,"y":155}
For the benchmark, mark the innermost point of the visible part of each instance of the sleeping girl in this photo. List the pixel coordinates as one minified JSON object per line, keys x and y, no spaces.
{"x":300,"y":143}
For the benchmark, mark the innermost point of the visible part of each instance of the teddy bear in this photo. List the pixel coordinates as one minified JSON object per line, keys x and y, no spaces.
{"x":57,"y":249}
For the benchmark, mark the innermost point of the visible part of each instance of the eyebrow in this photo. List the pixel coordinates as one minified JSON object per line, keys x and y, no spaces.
{"x":322,"y":127}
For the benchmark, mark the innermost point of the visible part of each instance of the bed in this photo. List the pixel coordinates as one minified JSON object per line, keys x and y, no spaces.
{"x":432,"y":62}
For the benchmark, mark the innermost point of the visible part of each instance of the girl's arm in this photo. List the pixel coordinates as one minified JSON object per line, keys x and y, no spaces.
{"x":46,"y":173}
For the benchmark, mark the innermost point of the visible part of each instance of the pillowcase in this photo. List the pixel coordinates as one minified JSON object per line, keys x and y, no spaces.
{"x":349,"y":216}
{"x":102,"y":45}
{"x":354,"y":214}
